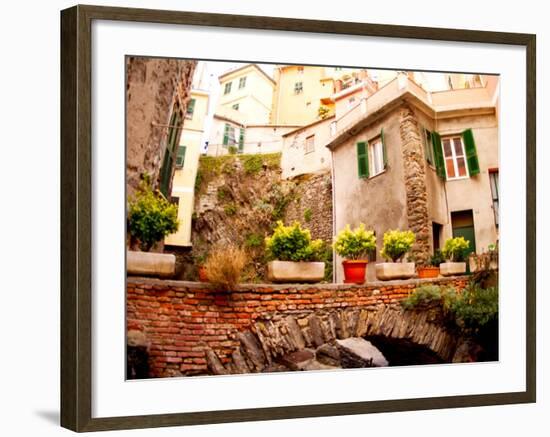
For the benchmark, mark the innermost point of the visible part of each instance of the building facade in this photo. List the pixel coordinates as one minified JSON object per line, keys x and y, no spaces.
{"x":157,"y":95}
{"x":187,"y":161}
{"x":428,"y":162}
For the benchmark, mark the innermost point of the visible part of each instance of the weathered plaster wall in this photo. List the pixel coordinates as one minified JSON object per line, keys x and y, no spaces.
{"x":380,"y":201}
{"x":152,"y":84}
{"x":181,"y":321}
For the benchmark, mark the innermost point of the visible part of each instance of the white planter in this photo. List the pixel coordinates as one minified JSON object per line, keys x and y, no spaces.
{"x":389,"y":271}
{"x":290,"y":271}
{"x":451,"y":268}
{"x":150,"y":264}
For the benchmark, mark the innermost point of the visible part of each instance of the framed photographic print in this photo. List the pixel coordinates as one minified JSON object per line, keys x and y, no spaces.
{"x":318,"y":228}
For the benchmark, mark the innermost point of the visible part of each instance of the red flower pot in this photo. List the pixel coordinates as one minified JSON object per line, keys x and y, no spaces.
{"x":428,"y":272}
{"x":203,"y":277}
{"x":354,"y":271}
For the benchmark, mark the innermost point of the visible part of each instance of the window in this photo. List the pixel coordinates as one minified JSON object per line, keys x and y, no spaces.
{"x":298,"y":88}
{"x":241,"y":140}
{"x":310,"y":144}
{"x":351,"y":101}
{"x":229,"y":135}
{"x":190,"y":109}
{"x":172,"y":140}
{"x":242,"y":82}
{"x":180,"y":158}
{"x":227,"y":88}
{"x":376,"y":157}
{"x":455,"y":158}
{"x":371,"y":157}
{"x":236,"y":106}
{"x":493,"y":180}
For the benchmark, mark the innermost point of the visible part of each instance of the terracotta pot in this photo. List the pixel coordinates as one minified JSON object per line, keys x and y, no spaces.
{"x":203,"y":277}
{"x":428,"y":272}
{"x":354,"y":271}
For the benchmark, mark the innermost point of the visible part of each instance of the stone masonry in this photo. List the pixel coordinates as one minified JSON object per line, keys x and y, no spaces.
{"x":152,"y":87}
{"x":191,"y":329}
{"x":415,"y":183}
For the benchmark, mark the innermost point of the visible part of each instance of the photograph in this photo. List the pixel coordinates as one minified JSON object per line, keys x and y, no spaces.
{"x":288,"y":218}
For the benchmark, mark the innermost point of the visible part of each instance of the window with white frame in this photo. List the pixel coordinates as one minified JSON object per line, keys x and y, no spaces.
{"x":310,"y":144}
{"x":376,"y":157}
{"x":242,"y":82}
{"x":298,"y":88}
{"x":455,"y":158}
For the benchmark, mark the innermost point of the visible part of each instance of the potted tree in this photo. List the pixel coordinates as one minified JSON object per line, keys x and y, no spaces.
{"x":454,"y":253}
{"x":431,"y":270}
{"x":294,"y":256}
{"x":396,"y":245}
{"x":150,"y":218}
{"x":354,"y":246}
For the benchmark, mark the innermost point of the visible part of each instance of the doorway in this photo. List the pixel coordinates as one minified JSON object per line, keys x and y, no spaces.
{"x":463,"y":226}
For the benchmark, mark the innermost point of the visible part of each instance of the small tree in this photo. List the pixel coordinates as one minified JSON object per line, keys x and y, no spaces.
{"x":355,"y":244}
{"x":454,"y":249}
{"x":292,"y":243}
{"x":151,"y":217}
{"x":397,"y":244}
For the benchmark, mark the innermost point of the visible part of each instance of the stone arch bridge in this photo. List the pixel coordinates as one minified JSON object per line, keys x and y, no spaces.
{"x":189,"y":328}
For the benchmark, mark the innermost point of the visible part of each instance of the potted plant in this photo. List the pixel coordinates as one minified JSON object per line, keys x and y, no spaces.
{"x":200,"y":261}
{"x":431,"y":270}
{"x":150,"y":218}
{"x":454,"y":252}
{"x":294,"y":256}
{"x":396,"y":245}
{"x":354,"y":246}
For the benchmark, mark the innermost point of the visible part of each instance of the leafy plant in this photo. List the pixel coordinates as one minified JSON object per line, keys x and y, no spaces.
{"x":397,"y":244}
{"x":307,"y":215}
{"x":151,"y":217}
{"x":355,"y":244}
{"x":232,"y":150}
{"x":252,"y":163}
{"x":323,"y":111}
{"x":292,"y":243}
{"x":436,"y":259}
{"x":421,"y":296}
{"x":230,"y":209}
{"x":224,"y":266}
{"x":454,"y":249}
{"x":475,"y":307}
{"x":253,"y":240}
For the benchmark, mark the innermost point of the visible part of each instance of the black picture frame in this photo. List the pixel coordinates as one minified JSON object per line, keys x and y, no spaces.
{"x":76,"y":217}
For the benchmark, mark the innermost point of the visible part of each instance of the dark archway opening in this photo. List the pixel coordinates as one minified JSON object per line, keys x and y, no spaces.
{"x":403,"y":352}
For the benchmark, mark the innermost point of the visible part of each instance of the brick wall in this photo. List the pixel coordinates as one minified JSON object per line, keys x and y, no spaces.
{"x":180,"y":320}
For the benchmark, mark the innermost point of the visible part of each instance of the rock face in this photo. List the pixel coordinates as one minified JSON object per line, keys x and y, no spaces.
{"x":357,"y":352}
{"x":153,"y":86}
{"x":415,"y":183}
{"x":240,"y":197}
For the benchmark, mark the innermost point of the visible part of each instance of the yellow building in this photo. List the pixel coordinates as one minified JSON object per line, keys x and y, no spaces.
{"x":248,"y":91}
{"x":300,"y":92}
{"x":187,"y":161}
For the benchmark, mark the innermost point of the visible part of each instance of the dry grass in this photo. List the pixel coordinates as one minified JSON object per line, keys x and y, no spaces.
{"x":224,"y":266}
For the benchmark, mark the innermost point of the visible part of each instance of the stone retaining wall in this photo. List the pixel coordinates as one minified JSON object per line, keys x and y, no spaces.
{"x":180,"y":321}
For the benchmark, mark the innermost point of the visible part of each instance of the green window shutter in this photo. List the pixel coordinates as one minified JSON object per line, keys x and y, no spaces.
{"x":362,"y":160}
{"x":438,"y":155}
{"x":180,"y":158}
{"x":191,"y":107}
{"x":241,"y":140}
{"x":471,"y":153}
{"x":427,"y":152}
{"x":226,"y":134}
{"x":384,"y":153}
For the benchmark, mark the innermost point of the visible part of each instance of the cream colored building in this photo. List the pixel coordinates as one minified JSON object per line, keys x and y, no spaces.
{"x":247,"y":90}
{"x":407,"y":158}
{"x":189,"y":150}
